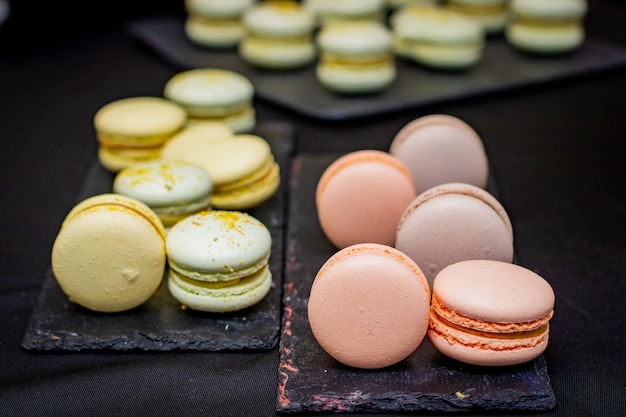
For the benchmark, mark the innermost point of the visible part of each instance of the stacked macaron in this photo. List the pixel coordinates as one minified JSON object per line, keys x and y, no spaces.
{"x":279,"y":35}
{"x":546,"y":27}
{"x":215,"y":23}
{"x":451,"y":237}
{"x":355,"y":57}
{"x":242,"y":167}
{"x":214,"y":95}
{"x":218,"y":261}
{"x":172,"y":189}
{"x":134,"y":129}
{"x":437,"y":37}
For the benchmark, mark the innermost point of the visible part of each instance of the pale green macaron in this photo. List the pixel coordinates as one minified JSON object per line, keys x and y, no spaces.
{"x":172,"y":189}
{"x":437,"y":37}
{"x":546,"y":27}
{"x":214,"y":95}
{"x":218,"y":261}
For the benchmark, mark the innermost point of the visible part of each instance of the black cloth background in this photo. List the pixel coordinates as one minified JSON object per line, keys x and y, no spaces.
{"x":557,"y":153}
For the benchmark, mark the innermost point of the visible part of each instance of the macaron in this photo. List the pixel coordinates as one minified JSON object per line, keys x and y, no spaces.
{"x":454,"y":222}
{"x":215,"y":23}
{"x":368,"y":306}
{"x":279,"y":36}
{"x":218,"y":261}
{"x":355,"y":57}
{"x":328,"y":11}
{"x":214,"y":95}
{"x":361,"y":196}
{"x":134,"y":129}
{"x":242,"y":167}
{"x":490,"y":313}
{"x":492,"y":14}
{"x":437,"y":38}
{"x":441,"y":148}
{"x":546,"y":27}
{"x":109,"y":255}
{"x":172,"y":189}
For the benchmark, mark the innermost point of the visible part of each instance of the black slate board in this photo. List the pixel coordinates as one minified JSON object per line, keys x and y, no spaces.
{"x":160,"y":324}
{"x":311,"y":381}
{"x":502,"y":68}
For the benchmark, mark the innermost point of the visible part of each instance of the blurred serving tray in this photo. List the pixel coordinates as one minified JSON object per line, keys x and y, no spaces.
{"x":309,"y":380}
{"x":161,"y":324}
{"x":502,"y":68}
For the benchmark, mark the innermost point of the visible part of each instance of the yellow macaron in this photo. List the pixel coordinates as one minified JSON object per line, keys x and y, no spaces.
{"x":109,"y":255}
{"x":134,"y":129}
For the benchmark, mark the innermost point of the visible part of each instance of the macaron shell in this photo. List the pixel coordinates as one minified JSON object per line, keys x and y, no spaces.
{"x":360,"y":38}
{"x":451,"y":223}
{"x":368,"y":306}
{"x":109,"y":257}
{"x":493,"y":296}
{"x":439,"y":149}
{"x":138,"y":117}
{"x":201,"y":296}
{"x":361,"y":196}
{"x":218,"y":245}
{"x":229,"y":160}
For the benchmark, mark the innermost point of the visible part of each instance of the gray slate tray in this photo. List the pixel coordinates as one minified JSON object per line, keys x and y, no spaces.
{"x":160,"y":324}
{"x":311,"y":381}
{"x":501,"y":69}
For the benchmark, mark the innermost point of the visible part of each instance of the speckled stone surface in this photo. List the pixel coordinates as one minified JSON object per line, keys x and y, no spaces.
{"x":311,"y":381}
{"x":160,"y":324}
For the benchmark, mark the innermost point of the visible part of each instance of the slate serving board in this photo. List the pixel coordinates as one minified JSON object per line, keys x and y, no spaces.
{"x":160,"y":324}
{"x":311,"y":381}
{"x":502,"y":68}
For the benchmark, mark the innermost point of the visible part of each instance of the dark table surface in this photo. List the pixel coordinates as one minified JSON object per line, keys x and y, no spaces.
{"x":556,"y":150}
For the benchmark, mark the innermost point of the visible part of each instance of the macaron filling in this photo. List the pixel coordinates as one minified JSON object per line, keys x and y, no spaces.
{"x":491,"y":341}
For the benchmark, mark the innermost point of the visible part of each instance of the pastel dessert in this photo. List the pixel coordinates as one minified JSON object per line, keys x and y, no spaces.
{"x":355,"y":57}
{"x":437,"y":38}
{"x":440,"y":148}
{"x":279,"y":36}
{"x":369,"y":306}
{"x":172,"y":189}
{"x":546,"y":27}
{"x":218,"y":261}
{"x":492,"y":14}
{"x":134,"y":129}
{"x":242,"y":168}
{"x":329,"y":11}
{"x":361,"y":196}
{"x":109,"y":255}
{"x":490,"y":313}
{"x":214,"y":95}
{"x":215,"y":23}
{"x":454,"y":222}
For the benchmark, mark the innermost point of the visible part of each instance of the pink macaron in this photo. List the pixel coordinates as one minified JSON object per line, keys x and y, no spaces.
{"x":369,"y":306}
{"x":490,"y":313}
{"x":454,"y":222}
{"x":361,"y":196}
{"x":440,"y":148}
